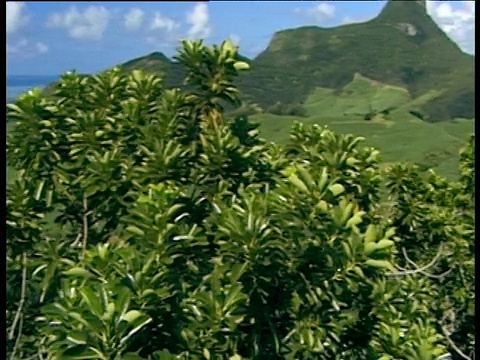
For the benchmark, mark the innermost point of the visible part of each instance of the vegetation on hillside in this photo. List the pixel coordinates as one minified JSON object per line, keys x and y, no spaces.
{"x":402,"y":47}
{"x":178,"y":233}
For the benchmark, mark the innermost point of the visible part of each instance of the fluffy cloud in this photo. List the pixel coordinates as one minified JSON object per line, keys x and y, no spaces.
{"x":356,"y":20}
{"x":163,"y":23}
{"x":24,"y":47}
{"x":15,"y":16}
{"x":199,"y":19}
{"x":90,"y":24}
{"x":133,"y":19}
{"x":234,"y":38}
{"x":458,"y":22}
{"x":319,"y":12}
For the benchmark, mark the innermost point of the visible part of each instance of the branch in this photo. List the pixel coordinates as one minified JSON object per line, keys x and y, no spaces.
{"x":418,"y":270}
{"x":452,"y":344}
{"x":21,"y":303}
{"x":410,"y":261}
{"x":17,"y":341}
{"x":77,"y":240}
{"x":84,"y":233}
{"x":85,"y":222}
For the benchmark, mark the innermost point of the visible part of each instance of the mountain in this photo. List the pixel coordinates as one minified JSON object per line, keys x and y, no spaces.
{"x":401,"y":47}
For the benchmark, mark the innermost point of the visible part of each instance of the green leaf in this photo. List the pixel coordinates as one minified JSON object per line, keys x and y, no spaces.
{"x":385,"y":244}
{"x":234,"y":295}
{"x":305,"y":176}
{"x":323,"y":179}
{"x":138,"y":75}
{"x":389,"y":233}
{"x":237,"y":271}
{"x":379,"y":264}
{"x":123,"y":299}
{"x":228,"y":46}
{"x":355,"y":220}
{"x":92,"y":299}
{"x":299,"y":184}
{"x":241,"y":65}
{"x":173,"y":209}
{"x":109,"y":311}
{"x":371,"y":234}
{"x":77,"y":337}
{"x":131,"y":316}
{"x":235,"y":357}
{"x":322,"y":206}
{"x":46,"y":123}
{"x":79,"y":352}
{"x":140,"y":322}
{"x":135,"y":230}
{"x":38,"y":192}
{"x":78,"y":271}
{"x":369,"y":248}
{"x":336,"y":189}
{"x":351,"y":161}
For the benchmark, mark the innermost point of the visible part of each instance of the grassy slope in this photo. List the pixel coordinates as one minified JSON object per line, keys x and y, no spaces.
{"x":407,"y":140}
{"x":399,"y":135}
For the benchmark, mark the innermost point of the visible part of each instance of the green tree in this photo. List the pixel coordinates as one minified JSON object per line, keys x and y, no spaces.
{"x":146,"y":224}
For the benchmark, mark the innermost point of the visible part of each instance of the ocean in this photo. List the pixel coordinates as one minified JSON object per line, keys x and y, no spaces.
{"x":18,"y":84}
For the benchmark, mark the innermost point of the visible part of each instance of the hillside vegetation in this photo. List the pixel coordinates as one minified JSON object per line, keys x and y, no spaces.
{"x":402,"y":47}
{"x":145,"y":223}
{"x":383,"y":115}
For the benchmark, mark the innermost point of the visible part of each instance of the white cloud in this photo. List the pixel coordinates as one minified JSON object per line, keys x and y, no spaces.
{"x":163,"y":23}
{"x":41,"y":48}
{"x":458,"y":22}
{"x":133,"y":19}
{"x":199,"y":20}
{"x":319,"y":12}
{"x":24,"y":48}
{"x":356,"y":20}
{"x":90,"y":24}
{"x":234,"y":38}
{"x":17,"y":47}
{"x":15,"y":16}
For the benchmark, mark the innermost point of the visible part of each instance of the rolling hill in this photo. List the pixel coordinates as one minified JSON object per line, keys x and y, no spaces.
{"x":401,"y":47}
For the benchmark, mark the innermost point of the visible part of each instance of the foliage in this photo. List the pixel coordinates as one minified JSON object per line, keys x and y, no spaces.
{"x":286,"y":109}
{"x":178,"y":233}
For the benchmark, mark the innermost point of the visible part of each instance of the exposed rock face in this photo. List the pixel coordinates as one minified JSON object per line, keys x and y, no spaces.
{"x":407,"y":28}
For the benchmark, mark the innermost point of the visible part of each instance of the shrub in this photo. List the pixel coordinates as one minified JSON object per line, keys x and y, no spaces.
{"x":286,"y":109}
{"x":179,"y":233}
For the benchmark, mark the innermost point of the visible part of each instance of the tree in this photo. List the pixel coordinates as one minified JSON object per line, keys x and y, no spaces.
{"x":145,"y":224}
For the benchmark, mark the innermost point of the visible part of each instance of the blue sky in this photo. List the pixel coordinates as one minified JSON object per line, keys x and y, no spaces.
{"x":48,"y":38}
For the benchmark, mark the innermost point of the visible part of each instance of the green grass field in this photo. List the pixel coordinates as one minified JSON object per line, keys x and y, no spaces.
{"x":398,"y":134}
{"x":408,"y":139}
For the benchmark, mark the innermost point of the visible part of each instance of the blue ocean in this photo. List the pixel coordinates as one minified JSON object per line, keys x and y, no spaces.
{"x":18,"y":84}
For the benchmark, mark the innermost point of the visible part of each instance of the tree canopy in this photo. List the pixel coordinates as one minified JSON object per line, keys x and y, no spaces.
{"x":145,"y":224}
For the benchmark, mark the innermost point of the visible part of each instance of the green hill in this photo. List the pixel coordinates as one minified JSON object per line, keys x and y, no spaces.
{"x":402,"y":47}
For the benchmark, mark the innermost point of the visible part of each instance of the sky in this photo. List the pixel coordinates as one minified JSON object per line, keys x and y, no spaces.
{"x":49,"y":38}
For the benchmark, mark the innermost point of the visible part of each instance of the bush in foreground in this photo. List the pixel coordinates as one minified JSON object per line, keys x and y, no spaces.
{"x":146,"y":225}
